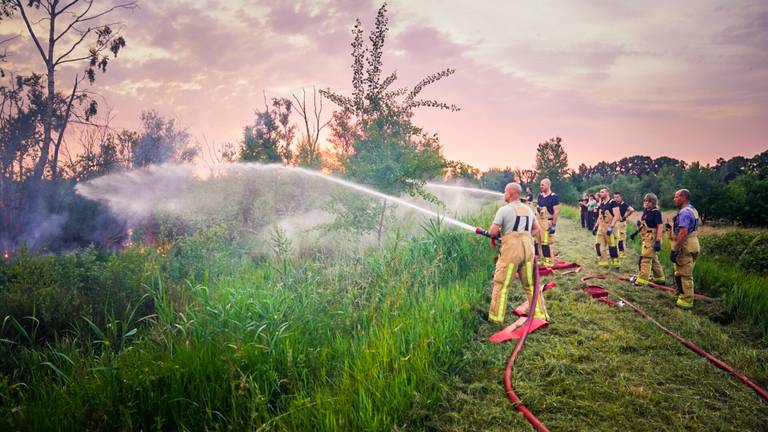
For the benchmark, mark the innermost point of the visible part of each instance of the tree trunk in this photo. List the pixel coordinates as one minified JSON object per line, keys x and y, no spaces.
{"x":381,"y":219}
{"x":60,"y":137}
{"x":48,"y":118}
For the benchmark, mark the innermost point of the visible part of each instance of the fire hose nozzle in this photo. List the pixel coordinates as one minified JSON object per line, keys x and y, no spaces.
{"x":482,"y":232}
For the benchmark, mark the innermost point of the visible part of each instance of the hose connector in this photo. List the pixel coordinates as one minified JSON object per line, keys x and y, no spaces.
{"x":482,"y":232}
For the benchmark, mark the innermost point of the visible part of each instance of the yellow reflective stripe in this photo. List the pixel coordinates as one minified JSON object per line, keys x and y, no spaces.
{"x":545,"y":238}
{"x":502,"y":303}
{"x":612,"y":240}
{"x":529,"y":275}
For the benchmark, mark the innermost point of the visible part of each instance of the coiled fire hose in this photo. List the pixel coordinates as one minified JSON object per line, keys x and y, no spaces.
{"x":601,"y":293}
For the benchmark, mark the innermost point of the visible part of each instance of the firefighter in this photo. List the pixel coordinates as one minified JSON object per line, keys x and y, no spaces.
{"x":625,"y":210}
{"x":548,"y":210}
{"x":607,"y":216}
{"x":684,"y":240}
{"x":649,"y":227}
{"x":514,"y":223}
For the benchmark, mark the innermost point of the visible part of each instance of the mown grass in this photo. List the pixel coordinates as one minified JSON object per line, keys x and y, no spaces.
{"x":291,"y":343}
{"x":597,"y":368}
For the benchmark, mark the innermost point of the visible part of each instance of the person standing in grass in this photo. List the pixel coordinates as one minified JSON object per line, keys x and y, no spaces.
{"x":591,"y":212}
{"x":548,"y":209}
{"x":650,"y":228}
{"x":685,"y":247}
{"x":625,"y":210}
{"x":608,"y":215}
{"x":583,"y":202}
{"x":515,"y":223}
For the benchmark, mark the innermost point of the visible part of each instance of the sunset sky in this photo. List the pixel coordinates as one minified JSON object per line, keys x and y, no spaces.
{"x":687,"y":79}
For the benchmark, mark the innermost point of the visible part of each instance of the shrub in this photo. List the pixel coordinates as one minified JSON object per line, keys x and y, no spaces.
{"x":728,"y":246}
{"x":752,"y":259}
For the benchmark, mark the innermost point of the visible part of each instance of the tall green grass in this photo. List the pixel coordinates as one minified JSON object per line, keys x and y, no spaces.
{"x":292,"y":342}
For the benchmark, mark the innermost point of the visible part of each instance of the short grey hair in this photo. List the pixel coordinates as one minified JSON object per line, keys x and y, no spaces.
{"x":685,"y":193}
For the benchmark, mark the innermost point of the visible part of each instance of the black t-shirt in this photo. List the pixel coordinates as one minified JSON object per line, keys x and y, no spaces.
{"x":549,"y":201}
{"x":623,"y":207}
{"x":652,"y":218}
{"x":608,"y":207}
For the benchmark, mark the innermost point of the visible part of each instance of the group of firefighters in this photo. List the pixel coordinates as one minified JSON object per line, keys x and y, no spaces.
{"x":527,"y":229}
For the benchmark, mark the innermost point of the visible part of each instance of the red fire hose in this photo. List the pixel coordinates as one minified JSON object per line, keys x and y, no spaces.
{"x":535,"y":422}
{"x":714,"y":360}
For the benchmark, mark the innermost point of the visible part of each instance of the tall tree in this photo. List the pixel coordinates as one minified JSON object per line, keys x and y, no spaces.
{"x":375,"y":138}
{"x":551,"y":160}
{"x":161,"y":141}
{"x":269,"y":139}
{"x":72,"y":32}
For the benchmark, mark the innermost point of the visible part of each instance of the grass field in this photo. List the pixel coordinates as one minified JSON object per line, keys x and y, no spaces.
{"x":604,"y":369}
{"x":389,"y":340}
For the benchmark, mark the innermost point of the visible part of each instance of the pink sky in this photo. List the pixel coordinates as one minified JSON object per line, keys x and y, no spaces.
{"x":686,"y":79}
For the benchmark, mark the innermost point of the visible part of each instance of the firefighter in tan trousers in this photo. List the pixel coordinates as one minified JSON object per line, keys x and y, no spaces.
{"x":605,"y":242}
{"x":684,"y":240}
{"x":514,"y":223}
{"x":547,"y":210}
{"x":649,"y":227}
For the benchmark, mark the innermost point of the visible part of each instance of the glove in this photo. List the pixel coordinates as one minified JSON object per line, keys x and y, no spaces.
{"x":594,"y":230}
{"x":657,"y":246}
{"x":668,"y":226}
{"x":633,"y":235}
{"x":551,"y":229}
{"x":673,"y":256}
{"x":609,"y":231}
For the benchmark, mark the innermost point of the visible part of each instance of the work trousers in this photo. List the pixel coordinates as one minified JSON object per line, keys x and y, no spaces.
{"x":650,"y":267}
{"x":686,"y":260}
{"x":621,"y":237}
{"x":605,"y":246}
{"x":515,"y":258}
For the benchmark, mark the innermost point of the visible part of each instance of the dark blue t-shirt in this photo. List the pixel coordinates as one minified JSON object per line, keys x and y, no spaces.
{"x":549,"y":201}
{"x":652,"y":218}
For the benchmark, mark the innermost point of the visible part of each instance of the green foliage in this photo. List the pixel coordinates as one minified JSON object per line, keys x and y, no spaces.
{"x":463,"y":172}
{"x":496,"y":178}
{"x":345,"y":343}
{"x":551,"y":160}
{"x":58,"y":290}
{"x":727,"y":246}
{"x":268,"y":140}
{"x":753,"y":259}
{"x":378,"y":143}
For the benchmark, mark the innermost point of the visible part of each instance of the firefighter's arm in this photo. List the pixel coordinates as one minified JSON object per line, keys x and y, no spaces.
{"x":494,"y":230}
{"x":659,"y":230}
{"x":556,"y":214}
{"x":630,"y":210}
{"x":616,"y":217}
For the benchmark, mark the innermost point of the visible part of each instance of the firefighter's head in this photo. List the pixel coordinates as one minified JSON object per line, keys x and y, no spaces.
{"x":650,"y":201}
{"x":682,"y":198}
{"x":545,"y":186}
{"x":512,"y":192}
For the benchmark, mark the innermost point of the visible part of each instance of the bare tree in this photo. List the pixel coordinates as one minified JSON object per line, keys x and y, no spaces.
{"x":308,"y":153}
{"x":73,"y":33}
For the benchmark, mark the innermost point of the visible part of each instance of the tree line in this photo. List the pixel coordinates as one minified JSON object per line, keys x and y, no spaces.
{"x":733,"y":191}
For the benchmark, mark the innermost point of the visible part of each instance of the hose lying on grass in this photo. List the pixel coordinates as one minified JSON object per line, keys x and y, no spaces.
{"x":601,"y":294}
{"x":535,"y":422}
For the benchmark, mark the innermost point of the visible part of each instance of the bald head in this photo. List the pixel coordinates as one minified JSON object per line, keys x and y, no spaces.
{"x":682,"y":198}
{"x":512,"y":192}
{"x":545,"y":186}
